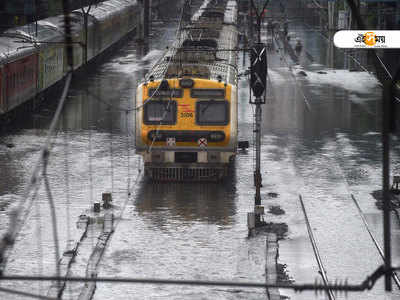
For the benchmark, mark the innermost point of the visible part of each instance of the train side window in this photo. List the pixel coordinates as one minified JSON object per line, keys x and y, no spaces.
{"x":159,"y":112}
{"x":212,"y":112}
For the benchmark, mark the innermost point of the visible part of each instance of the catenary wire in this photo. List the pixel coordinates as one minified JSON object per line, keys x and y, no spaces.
{"x":25,"y":294}
{"x":52,"y":212}
{"x":394,"y":275}
{"x":359,"y":63}
{"x":13,"y":231}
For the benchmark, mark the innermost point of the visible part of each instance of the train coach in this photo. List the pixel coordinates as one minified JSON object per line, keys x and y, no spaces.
{"x":33,"y":57}
{"x":186,"y":120}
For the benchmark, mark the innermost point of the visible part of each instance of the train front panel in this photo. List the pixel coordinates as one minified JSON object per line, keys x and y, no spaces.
{"x":187,"y":124}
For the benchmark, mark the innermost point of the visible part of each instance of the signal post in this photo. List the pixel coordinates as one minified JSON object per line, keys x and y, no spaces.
{"x":258,"y":84}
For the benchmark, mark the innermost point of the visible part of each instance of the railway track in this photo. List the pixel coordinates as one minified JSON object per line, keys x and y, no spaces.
{"x":378,"y":247}
{"x":321,"y":267}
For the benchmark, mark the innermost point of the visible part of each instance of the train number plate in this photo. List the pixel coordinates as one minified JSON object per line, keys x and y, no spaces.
{"x":186,"y":115}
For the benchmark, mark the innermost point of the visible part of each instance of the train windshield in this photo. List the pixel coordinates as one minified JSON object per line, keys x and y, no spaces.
{"x":212,"y":112}
{"x":160,"y":112}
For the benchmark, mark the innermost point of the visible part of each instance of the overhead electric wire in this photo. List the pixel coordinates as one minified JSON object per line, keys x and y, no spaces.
{"x":388,"y":120}
{"x":66,"y":191}
{"x":166,"y":67}
{"x":9,"y":238}
{"x":39,"y":241}
{"x":25,"y":294}
{"x":52,"y":213}
{"x":358,"y":63}
{"x":17,"y":217}
{"x":338,"y":286}
{"x":166,"y":110}
{"x":344,"y":52}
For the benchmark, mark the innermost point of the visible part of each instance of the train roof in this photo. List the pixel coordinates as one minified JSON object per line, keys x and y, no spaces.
{"x":214,"y":63}
{"x":34,"y":33}
{"x":20,"y":41}
{"x":11,"y":48}
{"x":76,"y":22}
{"x":205,"y":48}
{"x":104,"y":10}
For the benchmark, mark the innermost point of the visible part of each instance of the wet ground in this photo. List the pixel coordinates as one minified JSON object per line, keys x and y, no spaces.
{"x":320,"y":139}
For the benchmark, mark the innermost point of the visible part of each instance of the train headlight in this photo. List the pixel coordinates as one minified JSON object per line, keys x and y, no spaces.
{"x":216,"y":136}
{"x":186,"y":83}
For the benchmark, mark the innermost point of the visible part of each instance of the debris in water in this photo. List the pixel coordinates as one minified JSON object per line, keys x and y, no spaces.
{"x":394,"y":199}
{"x":302,"y":73}
{"x":272,"y":195}
{"x":280,"y":229}
{"x":283,"y":276}
{"x":276,"y":210}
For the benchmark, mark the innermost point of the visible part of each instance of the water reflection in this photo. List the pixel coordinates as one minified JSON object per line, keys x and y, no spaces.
{"x":204,"y":202}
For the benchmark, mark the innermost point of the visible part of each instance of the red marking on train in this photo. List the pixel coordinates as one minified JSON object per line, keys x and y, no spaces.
{"x":186,"y":108}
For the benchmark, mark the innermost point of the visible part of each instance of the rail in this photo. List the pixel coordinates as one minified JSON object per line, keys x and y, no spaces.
{"x":394,"y":275}
{"x":316,"y":252}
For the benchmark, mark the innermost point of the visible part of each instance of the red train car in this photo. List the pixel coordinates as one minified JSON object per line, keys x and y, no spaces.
{"x":2,"y":104}
{"x":21,"y":78}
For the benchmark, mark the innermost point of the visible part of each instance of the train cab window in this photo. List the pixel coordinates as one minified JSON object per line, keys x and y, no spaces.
{"x":208,"y":93}
{"x":159,"y":112}
{"x":170,"y":93}
{"x":212,"y":112}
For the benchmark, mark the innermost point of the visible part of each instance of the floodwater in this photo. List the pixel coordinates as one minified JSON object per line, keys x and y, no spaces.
{"x":320,"y":139}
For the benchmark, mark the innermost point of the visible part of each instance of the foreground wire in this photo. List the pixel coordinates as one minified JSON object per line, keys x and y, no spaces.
{"x":17,"y":222}
{"x":338,"y":286}
{"x":394,"y":275}
{"x":25,"y":294}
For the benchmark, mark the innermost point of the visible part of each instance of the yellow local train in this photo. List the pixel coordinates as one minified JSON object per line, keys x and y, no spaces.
{"x":186,"y":120}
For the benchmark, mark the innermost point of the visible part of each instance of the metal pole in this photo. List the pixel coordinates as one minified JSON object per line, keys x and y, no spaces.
{"x":250,"y":24}
{"x":146,"y":18}
{"x":257,"y":173}
{"x":386,"y":122}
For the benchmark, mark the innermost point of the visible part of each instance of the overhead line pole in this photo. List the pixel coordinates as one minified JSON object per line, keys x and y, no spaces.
{"x":388,"y":112}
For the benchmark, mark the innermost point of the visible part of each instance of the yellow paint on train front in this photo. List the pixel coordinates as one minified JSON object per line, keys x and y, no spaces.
{"x":186,"y":112}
